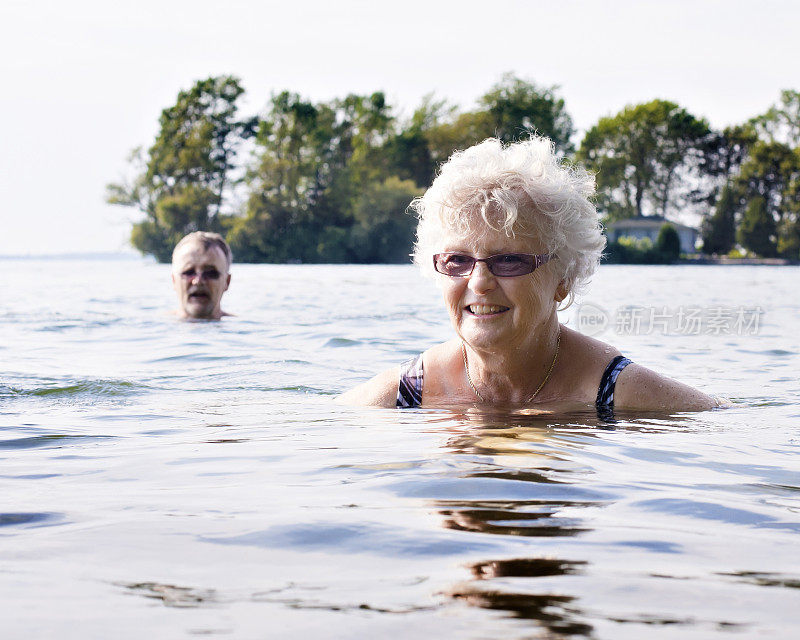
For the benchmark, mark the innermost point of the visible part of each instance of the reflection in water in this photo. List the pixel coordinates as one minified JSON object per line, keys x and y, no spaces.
{"x":534,"y":518}
{"x":571,"y":417}
{"x":556,"y":613}
{"x":490,"y":587}
{"x":526,"y":567}
{"x":172,"y":595}
{"x":765,"y":579}
{"x":475,"y":417}
{"x":532,"y":479}
{"x":522,"y":449}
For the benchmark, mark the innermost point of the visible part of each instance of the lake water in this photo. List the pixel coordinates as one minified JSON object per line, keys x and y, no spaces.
{"x":161,"y":479}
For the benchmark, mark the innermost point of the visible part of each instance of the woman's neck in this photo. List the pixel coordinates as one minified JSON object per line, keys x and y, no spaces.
{"x":514,"y":374}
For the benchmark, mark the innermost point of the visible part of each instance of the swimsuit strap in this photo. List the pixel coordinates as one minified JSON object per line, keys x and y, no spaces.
{"x":409,"y":391}
{"x":605,"y":393}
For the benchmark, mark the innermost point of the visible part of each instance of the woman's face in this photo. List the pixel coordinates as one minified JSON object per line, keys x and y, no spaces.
{"x":494,"y":313}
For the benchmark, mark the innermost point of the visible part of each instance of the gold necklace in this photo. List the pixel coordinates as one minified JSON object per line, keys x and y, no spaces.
{"x":538,"y":389}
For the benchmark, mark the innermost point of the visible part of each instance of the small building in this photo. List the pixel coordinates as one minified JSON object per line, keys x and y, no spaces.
{"x":648,"y":227}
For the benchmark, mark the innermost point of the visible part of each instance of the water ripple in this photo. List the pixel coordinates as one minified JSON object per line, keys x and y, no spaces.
{"x":364,"y":537}
{"x":27,"y":520}
{"x":86,"y":387}
{"x":54,"y":441}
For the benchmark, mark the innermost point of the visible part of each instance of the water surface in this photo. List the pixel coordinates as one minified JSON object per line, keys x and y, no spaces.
{"x":169,"y":479}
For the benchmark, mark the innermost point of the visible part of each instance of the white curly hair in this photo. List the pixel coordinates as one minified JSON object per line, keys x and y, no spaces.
{"x":522,"y":189}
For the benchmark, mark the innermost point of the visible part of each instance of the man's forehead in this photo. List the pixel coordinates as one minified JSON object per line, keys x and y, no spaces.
{"x":197,"y":253}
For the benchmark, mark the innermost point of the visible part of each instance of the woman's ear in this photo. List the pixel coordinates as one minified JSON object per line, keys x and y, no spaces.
{"x":561,"y":291}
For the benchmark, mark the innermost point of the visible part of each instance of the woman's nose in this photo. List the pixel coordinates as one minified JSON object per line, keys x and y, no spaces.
{"x":481,"y":279}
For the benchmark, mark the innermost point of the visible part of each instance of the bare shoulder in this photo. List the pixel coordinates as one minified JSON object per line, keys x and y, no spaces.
{"x":638,"y":387}
{"x":583,"y":360}
{"x":590,"y":351}
{"x":380,"y":391}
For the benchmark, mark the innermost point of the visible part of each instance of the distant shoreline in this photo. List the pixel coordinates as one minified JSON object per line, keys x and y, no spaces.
{"x":79,"y":256}
{"x":724,"y":260}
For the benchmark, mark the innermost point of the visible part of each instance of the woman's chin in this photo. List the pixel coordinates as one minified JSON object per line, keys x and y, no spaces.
{"x":484,"y":339}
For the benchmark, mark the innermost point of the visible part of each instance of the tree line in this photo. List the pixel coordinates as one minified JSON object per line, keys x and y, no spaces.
{"x":329,"y":181}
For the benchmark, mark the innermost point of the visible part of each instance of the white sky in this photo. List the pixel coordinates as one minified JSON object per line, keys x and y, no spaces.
{"x":85,"y":81}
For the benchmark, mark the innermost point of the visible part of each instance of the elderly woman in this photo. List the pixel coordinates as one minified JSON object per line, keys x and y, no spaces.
{"x":510,"y":235}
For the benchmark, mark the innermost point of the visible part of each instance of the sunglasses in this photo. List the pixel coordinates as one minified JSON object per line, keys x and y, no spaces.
{"x":503,"y":265}
{"x":205,"y":274}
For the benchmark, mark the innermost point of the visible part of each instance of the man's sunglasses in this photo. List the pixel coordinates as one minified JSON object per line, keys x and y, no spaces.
{"x":205,"y":274}
{"x":503,"y":265}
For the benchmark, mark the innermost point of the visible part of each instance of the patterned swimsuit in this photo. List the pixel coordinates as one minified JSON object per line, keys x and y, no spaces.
{"x":409,"y":390}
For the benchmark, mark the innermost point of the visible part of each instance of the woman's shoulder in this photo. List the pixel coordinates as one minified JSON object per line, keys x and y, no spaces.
{"x":641,"y":388}
{"x":585,"y":359}
{"x":595,"y":349}
{"x":636,"y":387}
{"x":380,"y":391}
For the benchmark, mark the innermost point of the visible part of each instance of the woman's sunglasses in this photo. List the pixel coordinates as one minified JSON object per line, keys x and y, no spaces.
{"x":503,"y":265}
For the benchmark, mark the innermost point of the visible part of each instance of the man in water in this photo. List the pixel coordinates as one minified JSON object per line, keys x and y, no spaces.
{"x":201,"y":263}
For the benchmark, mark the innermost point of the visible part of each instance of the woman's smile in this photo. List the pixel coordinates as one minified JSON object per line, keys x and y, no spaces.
{"x":484,"y":310}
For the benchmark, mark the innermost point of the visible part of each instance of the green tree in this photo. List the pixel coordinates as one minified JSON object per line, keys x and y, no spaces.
{"x":789,"y":237}
{"x":290,"y":171}
{"x":719,"y":230}
{"x":384,"y":230}
{"x":728,"y":150}
{"x":757,"y":229}
{"x":517,"y":108}
{"x":771,"y":177}
{"x":668,"y":243}
{"x":460,"y":132}
{"x":410,"y":150}
{"x":781,"y":122}
{"x":511,"y":110}
{"x":364,"y":126}
{"x":724,"y":155}
{"x":789,"y":226}
{"x":271,"y":234}
{"x":628,"y":250}
{"x":649,"y":159}
{"x":313,"y":164}
{"x":182,"y":182}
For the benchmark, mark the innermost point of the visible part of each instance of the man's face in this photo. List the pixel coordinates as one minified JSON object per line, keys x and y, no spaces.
{"x":200,"y":277}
